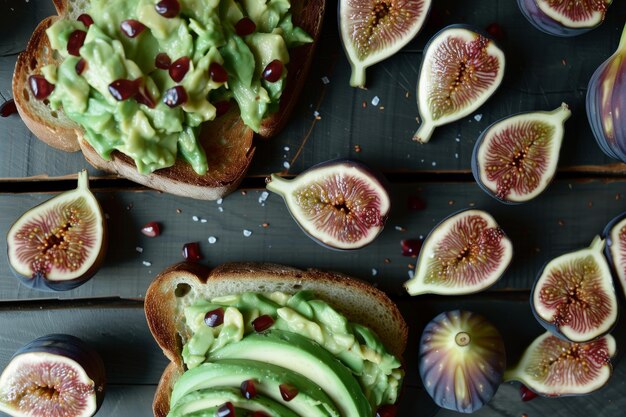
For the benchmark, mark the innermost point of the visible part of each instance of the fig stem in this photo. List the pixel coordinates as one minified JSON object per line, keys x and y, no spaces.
{"x":83,"y":180}
{"x":357,"y":79}
{"x":562,"y":112}
{"x":277,"y":185}
{"x":462,"y":339}
{"x":424,"y":132}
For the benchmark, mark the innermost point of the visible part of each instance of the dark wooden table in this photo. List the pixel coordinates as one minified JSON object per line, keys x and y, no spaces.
{"x":331,"y":120}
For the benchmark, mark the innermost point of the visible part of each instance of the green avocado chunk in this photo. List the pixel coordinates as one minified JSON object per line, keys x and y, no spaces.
{"x":310,"y":401}
{"x":300,"y":354}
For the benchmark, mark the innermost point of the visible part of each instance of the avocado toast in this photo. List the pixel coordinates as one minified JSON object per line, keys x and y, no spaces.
{"x":317,"y":343}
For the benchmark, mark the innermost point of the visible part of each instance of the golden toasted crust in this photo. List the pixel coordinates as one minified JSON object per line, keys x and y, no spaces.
{"x":181,"y":284}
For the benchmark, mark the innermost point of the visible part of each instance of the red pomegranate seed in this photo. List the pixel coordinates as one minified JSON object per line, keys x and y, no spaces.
{"x":75,"y":41}
{"x":526,"y":394}
{"x":80,"y":66}
{"x":191,"y":251}
{"x":40,"y":87}
{"x":221,"y":107}
{"x":218,"y":73}
{"x":416,"y":203}
{"x":411,"y":247}
{"x":262,"y":323}
{"x":132,"y":28}
{"x":387,"y":410}
{"x":179,"y":68}
{"x":85,"y":19}
{"x":273,"y":71}
{"x":152,"y":229}
{"x":143,"y":97}
{"x":496,"y":32}
{"x":8,"y":108}
{"x":175,"y":96}
{"x":248,"y":389}
{"x":214,"y":318}
{"x":245,"y":26}
{"x":162,"y":61}
{"x":225,"y":410}
{"x":168,"y":8}
{"x":124,"y":89}
{"x":288,"y":391}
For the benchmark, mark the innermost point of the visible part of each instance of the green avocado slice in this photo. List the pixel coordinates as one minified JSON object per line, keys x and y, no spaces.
{"x":200,"y":404}
{"x":311,"y":400}
{"x":299,"y":354}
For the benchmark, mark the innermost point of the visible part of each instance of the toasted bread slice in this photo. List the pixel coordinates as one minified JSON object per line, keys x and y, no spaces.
{"x":228,"y":143}
{"x":181,"y":285}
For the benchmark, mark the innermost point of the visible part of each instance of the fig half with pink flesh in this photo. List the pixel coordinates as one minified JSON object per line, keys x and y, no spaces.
{"x":515,"y":159}
{"x":574,"y":297}
{"x":460,"y":70}
{"x":59,"y":244}
{"x":340,"y":204}
{"x":554,"y":367}
{"x":374,"y":30}
{"x":57,"y":375}
{"x":564,"y":17}
{"x":465,"y":253}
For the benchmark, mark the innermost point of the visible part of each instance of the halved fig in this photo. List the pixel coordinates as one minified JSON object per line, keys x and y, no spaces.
{"x":59,"y":244}
{"x":374,"y":30}
{"x":460,"y":70}
{"x":573,"y":296}
{"x":465,"y":253}
{"x":57,"y":375}
{"x":615,"y":251}
{"x":515,"y":159}
{"x":340,"y":204}
{"x":462,"y":360}
{"x":564,"y":17}
{"x":553,"y":367}
{"x":605,"y":98}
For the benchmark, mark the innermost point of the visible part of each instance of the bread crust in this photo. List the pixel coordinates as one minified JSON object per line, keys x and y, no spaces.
{"x":164,"y":311}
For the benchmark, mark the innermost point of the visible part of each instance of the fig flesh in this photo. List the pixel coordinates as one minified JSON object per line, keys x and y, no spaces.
{"x":573,"y":296}
{"x":462,"y":360}
{"x":564,"y":17}
{"x":374,"y":30}
{"x":606,"y":94}
{"x":460,"y":70}
{"x":59,"y":244}
{"x":340,"y":204}
{"x":554,"y":367}
{"x":515,"y":159}
{"x":57,"y":375}
{"x":615,"y":251}
{"x":465,"y":253}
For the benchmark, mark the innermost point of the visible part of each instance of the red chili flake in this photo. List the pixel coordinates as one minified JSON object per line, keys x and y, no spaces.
{"x":151,"y":229}
{"x":191,"y":251}
{"x":245,"y":26}
{"x":85,"y":19}
{"x":248,"y":389}
{"x":526,"y":394}
{"x":214,"y":318}
{"x":387,"y":410}
{"x":357,"y":148}
{"x":8,"y":108}
{"x":411,"y":247}
{"x":561,"y":222}
{"x":262,"y":323}
{"x":387,"y":260}
{"x":288,"y":391}
{"x":265,"y":225}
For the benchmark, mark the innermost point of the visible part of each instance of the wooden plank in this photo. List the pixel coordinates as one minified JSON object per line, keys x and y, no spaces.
{"x":535,"y":79}
{"x":563,"y":219}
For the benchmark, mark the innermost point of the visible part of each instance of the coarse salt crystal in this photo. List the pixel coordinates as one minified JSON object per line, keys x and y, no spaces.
{"x":220,"y":201}
{"x":434,"y":163}
{"x":456,"y":155}
{"x":325,"y":80}
{"x":375,"y":101}
{"x":203,"y":220}
{"x":478,"y":117}
{"x":263,"y":197}
{"x":316,"y":113}
{"x":146,"y":263}
{"x":212,"y":239}
{"x":411,"y":273}
{"x":286,"y":148}
{"x":374,"y":272}
{"x":139,"y":249}
{"x":195,"y":218}
{"x":221,"y":209}
{"x":247,"y":233}
{"x":286,"y":165}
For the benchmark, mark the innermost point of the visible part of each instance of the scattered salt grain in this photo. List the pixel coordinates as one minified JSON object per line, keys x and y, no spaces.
{"x":203,"y":220}
{"x":286,"y":165}
{"x":221,"y":209}
{"x":263,"y":197}
{"x":478,"y":117}
{"x":374,"y":272}
{"x":411,"y":273}
{"x":195,"y":218}
{"x":247,"y":233}
{"x":375,"y":101}
{"x":316,"y":114}
{"x":456,"y":155}
{"x":325,"y":80}
{"x":434,"y":163}
{"x":286,"y":148}
{"x":212,"y":239}
{"x":139,"y":249}
{"x":457,"y":139}
{"x":146,"y":263}
{"x":220,"y":201}
{"x":400,"y":229}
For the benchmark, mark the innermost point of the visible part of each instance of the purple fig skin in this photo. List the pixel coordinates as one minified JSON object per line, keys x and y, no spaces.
{"x":545,"y":23}
{"x":73,"y":348}
{"x":607,"y":235}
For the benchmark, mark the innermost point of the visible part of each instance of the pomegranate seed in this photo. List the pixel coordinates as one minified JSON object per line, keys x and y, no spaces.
{"x":175,"y":96}
{"x":248,"y":389}
{"x":152,"y":229}
{"x":168,"y":8}
{"x":132,"y":28}
{"x":80,"y":66}
{"x":162,"y":61}
{"x":288,"y":391}
{"x":411,"y":247}
{"x":191,"y":251}
{"x":225,"y":410}
{"x":416,"y":203}
{"x":387,"y":410}
{"x":218,"y":73}
{"x":273,"y":71}
{"x":221,"y":108}
{"x":8,"y":108}
{"x":144,"y":97}
{"x":496,"y":32}
{"x":214,"y":318}
{"x":40,"y":87}
{"x":85,"y":19}
{"x":179,"y":68}
{"x":526,"y":394}
{"x":262,"y":323}
{"x":75,"y":41}
{"x":123,"y":89}
{"x":245,"y":26}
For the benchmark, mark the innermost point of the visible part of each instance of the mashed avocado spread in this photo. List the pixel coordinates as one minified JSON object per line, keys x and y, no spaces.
{"x":307,"y":359}
{"x":112,"y":83}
